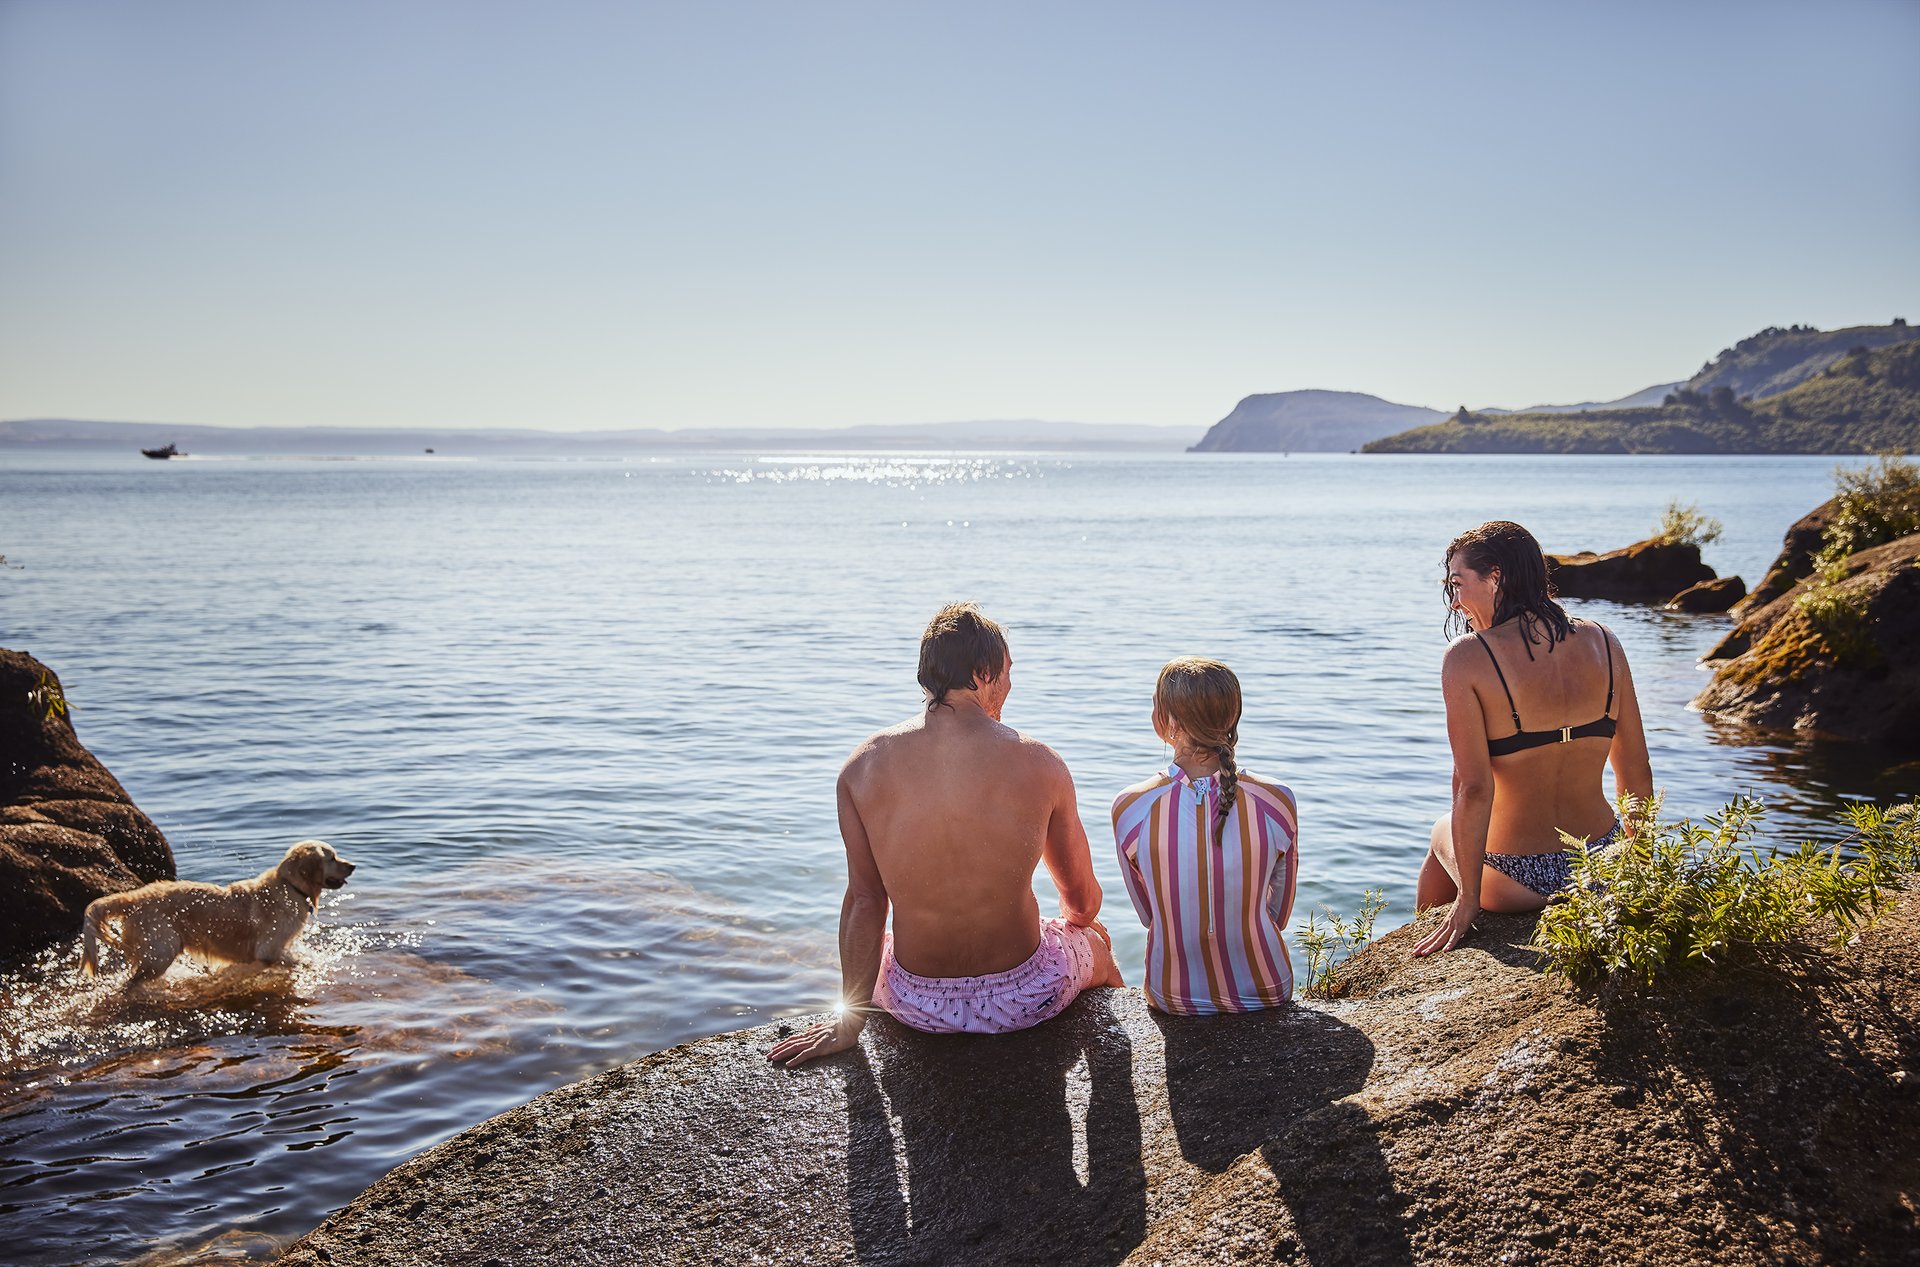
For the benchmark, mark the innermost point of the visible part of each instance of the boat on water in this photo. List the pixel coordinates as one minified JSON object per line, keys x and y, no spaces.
{"x":161,"y":455}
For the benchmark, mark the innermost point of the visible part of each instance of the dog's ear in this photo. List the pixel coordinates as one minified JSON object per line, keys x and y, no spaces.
{"x":305,"y":868}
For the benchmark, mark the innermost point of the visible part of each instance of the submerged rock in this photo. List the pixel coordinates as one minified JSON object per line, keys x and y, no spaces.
{"x":1836,"y":659}
{"x":1649,"y":571}
{"x":69,"y":833}
{"x":1464,"y":1108}
{"x":1709,"y":596}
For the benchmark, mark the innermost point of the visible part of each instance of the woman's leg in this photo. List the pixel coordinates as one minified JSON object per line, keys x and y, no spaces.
{"x":1440,"y":881}
{"x":1437,"y":885}
{"x":1501,"y":893}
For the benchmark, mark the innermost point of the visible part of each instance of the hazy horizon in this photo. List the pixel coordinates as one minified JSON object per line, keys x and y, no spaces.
{"x":607,"y":217}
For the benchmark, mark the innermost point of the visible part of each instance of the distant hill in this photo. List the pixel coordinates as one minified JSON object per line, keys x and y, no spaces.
{"x":1865,"y":401}
{"x":1645,"y":396}
{"x":71,"y":434}
{"x":1776,"y":360}
{"x":1308,"y":422}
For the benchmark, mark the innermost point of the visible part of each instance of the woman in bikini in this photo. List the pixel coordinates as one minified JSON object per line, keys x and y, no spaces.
{"x":1518,"y":784}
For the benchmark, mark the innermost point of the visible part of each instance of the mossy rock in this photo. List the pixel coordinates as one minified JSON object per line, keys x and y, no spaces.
{"x":1831,"y":657}
{"x":69,"y":833}
{"x":1795,"y":561}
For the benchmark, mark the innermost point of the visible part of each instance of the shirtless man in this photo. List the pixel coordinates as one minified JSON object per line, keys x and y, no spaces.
{"x":944,"y":817}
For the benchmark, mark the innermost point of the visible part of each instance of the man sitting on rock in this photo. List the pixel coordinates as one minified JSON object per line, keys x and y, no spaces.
{"x":944,"y":817}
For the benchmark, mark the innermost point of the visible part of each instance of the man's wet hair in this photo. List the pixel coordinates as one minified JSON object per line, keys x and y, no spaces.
{"x":959,"y":647}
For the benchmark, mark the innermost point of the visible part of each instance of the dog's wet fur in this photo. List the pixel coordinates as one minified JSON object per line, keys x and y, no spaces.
{"x":251,"y":921}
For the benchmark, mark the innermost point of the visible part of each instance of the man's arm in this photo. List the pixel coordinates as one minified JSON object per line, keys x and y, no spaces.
{"x":1068,"y":858}
{"x":863,"y":923}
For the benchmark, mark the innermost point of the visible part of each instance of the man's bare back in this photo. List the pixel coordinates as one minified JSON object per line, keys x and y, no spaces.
{"x":958,"y":809}
{"x":944,"y":818}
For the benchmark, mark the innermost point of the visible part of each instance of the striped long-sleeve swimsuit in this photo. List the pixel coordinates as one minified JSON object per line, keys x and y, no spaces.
{"x":1214,"y":911}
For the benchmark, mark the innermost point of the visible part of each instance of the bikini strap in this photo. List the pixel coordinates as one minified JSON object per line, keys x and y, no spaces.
{"x":1503,"y":681}
{"x":1606,"y":640}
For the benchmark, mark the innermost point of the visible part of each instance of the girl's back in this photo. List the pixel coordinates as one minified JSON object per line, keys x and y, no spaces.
{"x":1215,"y":904}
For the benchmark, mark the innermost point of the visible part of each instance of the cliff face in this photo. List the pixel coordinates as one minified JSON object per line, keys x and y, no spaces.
{"x":1309,"y":422}
{"x":1459,"y":1109}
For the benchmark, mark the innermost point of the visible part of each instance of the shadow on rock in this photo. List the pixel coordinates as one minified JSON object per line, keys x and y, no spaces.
{"x":1720,"y":1058}
{"x":1020,"y":1147}
{"x":1276,"y":1082}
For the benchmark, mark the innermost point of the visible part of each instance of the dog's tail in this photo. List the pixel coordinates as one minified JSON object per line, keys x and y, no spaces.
{"x":89,"y":944}
{"x":92,"y":934}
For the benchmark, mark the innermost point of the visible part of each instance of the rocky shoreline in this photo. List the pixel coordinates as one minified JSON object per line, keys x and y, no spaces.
{"x":1826,"y":654}
{"x":1460,"y":1109}
{"x":69,"y":833}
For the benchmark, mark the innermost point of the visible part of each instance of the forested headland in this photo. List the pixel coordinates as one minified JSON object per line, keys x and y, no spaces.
{"x":1792,"y":390}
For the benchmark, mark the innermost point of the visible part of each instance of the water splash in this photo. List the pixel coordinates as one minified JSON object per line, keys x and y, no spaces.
{"x":223,"y":1111}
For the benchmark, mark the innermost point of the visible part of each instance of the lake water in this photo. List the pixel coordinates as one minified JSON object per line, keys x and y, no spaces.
{"x":579,"y":724}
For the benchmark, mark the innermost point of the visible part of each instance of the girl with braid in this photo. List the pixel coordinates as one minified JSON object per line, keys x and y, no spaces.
{"x":1207,"y":851}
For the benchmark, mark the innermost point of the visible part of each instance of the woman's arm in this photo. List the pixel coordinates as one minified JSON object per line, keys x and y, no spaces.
{"x":1632,"y":769}
{"x":1472,"y":795}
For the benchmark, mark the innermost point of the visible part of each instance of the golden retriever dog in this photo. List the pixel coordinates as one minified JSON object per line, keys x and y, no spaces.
{"x":251,"y":921}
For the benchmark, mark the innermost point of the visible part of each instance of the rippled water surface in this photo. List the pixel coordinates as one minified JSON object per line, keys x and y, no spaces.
{"x":578,"y":724}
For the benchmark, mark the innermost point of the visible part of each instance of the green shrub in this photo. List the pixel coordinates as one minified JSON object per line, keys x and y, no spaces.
{"x":1326,"y":946}
{"x":1873,"y":504}
{"x":1839,"y":616}
{"x":1686,"y":526}
{"x":1676,"y":896}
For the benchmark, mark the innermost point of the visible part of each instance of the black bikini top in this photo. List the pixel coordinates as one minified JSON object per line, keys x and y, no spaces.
{"x":1601,"y":729}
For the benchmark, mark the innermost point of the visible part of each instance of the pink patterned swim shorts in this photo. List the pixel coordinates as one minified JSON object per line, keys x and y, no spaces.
{"x":998,"y":1003}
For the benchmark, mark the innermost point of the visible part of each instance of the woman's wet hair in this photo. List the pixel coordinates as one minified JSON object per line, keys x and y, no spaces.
{"x":1524,"y":589}
{"x":1202,"y":698}
{"x":959,"y":647}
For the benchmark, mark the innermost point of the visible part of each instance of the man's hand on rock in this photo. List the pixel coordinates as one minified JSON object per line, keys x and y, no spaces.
{"x":821,"y":1040}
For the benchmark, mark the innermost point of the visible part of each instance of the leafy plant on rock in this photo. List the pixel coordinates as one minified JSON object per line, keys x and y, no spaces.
{"x":1327,"y":945}
{"x":1673,"y":897}
{"x":47,"y":699}
{"x":1873,"y":504}
{"x":1686,"y":526}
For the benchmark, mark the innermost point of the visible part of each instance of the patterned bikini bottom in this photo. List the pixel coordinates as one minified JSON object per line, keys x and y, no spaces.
{"x":1547,"y":873}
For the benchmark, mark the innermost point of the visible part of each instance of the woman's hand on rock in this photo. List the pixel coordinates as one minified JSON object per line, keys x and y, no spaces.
{"x":1451,"y":933}
{"x":821,"y":1040}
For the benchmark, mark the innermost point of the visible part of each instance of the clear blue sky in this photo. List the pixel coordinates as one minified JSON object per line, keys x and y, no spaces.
{"x":579,"y":215}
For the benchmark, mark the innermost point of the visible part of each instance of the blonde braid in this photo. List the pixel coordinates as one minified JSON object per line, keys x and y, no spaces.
{"x":1199,"y":700}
